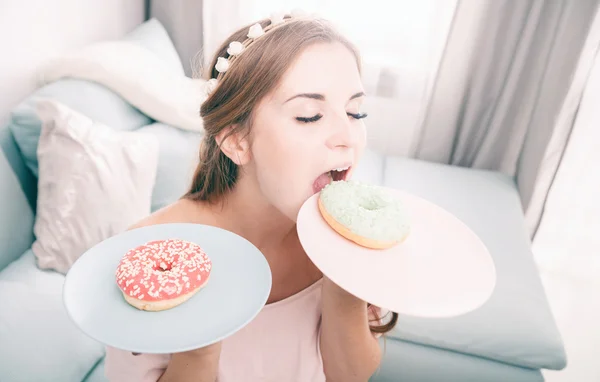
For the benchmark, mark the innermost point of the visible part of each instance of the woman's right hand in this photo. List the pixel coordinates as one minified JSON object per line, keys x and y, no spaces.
{"x":199,"y":365}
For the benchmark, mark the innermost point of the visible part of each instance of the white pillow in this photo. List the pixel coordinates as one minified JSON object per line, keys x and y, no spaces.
{"x":139,"y":76}
{"x":94,"y":182}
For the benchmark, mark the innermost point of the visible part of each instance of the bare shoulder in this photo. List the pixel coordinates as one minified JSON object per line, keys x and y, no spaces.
{"x":181,"y":211}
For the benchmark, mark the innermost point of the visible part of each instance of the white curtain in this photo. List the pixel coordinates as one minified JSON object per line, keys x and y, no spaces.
{"x":567,"y":237}
{"x":401,"y":43}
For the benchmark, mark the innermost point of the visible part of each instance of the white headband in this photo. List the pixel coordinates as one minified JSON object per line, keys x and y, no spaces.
{"x":254,"y":32}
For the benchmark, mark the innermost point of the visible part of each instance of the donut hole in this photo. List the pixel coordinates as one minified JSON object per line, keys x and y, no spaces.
{"x":162,"y":267}
{"x":371,"y":204}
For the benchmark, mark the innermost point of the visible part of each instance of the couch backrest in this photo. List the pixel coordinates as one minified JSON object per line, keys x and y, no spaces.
{"x":19,"y":138}
{"x":16,"y":212}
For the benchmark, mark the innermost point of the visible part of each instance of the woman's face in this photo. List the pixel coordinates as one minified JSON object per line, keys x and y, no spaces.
{"x":309,"y":130}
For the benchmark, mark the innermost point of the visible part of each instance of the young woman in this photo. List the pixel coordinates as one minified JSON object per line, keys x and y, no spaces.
{"x":284,"y":115}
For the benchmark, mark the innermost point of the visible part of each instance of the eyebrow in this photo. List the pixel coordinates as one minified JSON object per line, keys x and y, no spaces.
{"x":321,"y":97}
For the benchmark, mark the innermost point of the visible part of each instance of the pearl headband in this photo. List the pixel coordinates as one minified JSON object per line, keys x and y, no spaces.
{"x":236,"y":48}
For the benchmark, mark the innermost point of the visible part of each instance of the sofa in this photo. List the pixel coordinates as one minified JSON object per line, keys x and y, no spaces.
{"x":512,"y":337}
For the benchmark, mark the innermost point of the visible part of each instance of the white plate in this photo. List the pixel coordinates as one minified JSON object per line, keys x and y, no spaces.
{"x":238,"y":288}
{"x":442,"y":269}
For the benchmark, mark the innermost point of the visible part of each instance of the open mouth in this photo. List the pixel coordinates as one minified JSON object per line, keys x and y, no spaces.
{"x":338,"y":174}
{"x":333,"y":175}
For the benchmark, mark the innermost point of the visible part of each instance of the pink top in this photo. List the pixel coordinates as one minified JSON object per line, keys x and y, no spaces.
{"x":280,"y":344}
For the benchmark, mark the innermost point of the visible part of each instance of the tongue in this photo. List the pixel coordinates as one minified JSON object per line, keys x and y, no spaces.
{"x":321,"y":182}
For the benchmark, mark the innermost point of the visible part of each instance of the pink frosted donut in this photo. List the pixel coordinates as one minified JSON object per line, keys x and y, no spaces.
{"x":162,"y":274}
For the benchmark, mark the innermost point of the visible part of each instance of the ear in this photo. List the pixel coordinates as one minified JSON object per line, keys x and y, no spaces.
{"x":234,"y":143}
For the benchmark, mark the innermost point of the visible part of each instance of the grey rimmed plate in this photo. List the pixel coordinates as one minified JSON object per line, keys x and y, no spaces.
{"x":238,"y":288}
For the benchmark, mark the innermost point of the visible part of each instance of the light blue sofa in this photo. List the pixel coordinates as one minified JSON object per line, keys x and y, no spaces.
{"x":510,"y":338}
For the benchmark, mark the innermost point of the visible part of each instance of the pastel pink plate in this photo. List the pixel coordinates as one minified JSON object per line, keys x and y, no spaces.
{"x":442,"y":269}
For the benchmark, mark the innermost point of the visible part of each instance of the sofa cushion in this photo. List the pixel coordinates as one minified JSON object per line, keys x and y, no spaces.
{"x":153,"y":36}
{"x":94,"y":182}
{"x":89,"y":98}
{"x":411,"y":362}
{"x":97,"y":373}
{"x":177,"y":159}
{"x":16,"y":216}
{"x":38,"y":341}
{"x":515,"y":325}
{"x":11,"y":151}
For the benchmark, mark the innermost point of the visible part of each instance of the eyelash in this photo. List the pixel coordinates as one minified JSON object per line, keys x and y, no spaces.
{"x":309,"y":119}
{"x":319,"y":116}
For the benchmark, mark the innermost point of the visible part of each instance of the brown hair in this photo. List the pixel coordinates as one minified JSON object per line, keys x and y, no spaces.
{"x":253,"y":75}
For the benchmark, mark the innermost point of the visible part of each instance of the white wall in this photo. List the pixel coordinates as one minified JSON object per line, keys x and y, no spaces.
{"x":32,"y":31}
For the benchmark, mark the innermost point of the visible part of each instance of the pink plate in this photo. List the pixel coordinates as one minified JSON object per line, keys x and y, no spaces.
{"x":442,"y":269}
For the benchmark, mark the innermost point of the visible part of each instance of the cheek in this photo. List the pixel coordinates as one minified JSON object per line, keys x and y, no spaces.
{"x":362,"y":135}
{"x":271,"y":147}
{"x":279,"y":157}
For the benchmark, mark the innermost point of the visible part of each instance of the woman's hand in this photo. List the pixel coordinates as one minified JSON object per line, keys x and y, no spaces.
{"x":199,"y":365}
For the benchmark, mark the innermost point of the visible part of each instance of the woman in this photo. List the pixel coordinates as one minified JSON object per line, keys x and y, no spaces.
{"x":283,"y":119}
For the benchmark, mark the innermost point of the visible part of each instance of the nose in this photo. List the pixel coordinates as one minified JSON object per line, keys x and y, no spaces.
{"x":343,"y":133}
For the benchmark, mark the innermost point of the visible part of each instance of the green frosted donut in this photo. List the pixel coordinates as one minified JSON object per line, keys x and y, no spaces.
{"x":364,"y":211}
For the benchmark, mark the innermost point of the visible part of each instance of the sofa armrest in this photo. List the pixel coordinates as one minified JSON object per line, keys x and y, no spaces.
{"x":516,"y":325}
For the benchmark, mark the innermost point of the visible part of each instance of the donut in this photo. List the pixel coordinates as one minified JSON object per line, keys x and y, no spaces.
{"x":162,"y":274}
{"x":364,"y":213}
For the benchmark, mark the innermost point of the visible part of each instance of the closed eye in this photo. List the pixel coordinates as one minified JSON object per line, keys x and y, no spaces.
{"x":315,"y":118}
{"x":309,"y":119}
{"x":358,"y":116}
